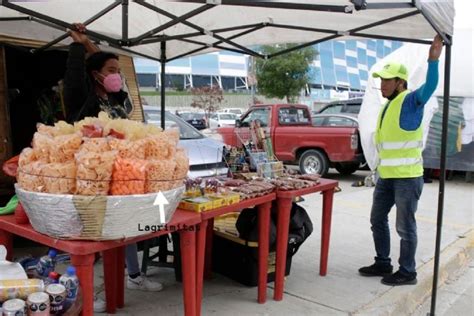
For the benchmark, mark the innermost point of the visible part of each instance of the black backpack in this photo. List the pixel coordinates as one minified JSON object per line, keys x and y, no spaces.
{"x":300,"y":227}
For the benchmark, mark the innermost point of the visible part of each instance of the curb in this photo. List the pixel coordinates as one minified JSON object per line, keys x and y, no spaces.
{"x":403,"y":301}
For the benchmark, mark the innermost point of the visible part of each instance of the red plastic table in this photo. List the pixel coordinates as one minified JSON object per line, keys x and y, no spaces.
{"x":83,"y":255}
{"x":283,"y":205}
{"x":204,"y":242}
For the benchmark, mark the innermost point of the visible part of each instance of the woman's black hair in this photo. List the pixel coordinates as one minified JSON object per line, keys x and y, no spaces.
{"x":97,"y":60}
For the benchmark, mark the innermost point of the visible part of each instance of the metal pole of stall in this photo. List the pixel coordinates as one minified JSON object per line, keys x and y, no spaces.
{"x":125,"y":21}
{"x":442,"y":179}
{"x":162,"y":74}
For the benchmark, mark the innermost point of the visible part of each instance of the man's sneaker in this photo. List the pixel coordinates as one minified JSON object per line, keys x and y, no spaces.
{"x":99,"y":305}
{"x":144,"y":284}
{"x":399,"y":278}
{"x":376,"y":269}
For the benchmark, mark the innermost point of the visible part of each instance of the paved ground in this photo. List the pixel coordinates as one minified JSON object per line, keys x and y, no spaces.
{"x":456,"y":296}
{"x":342,"y":291}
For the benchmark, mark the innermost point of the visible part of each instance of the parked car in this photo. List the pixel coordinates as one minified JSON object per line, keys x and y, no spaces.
{"x":222,"y":119}
{"x":346,"y":106}
{"x":296,"y":141}
{"x":341,"y":120}
{"x":236,"y":111}
{"x":345,"y":120}
{"x":196,"y":119}
{"x":205,"y":154}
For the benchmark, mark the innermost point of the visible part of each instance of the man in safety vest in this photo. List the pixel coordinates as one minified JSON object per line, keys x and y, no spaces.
{"x":399,"y":141}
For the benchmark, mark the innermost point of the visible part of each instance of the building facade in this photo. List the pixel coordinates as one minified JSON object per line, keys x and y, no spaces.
{"x":340,"y":70}
{"x":227,"y":70}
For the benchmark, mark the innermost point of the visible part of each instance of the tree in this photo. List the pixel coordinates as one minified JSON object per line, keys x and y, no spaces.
{"x":286,"y":75}
{"x":207,"y":98}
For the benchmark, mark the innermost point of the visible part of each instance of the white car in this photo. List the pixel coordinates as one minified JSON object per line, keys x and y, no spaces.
{"x":222,"y":119}
{"x":205,"y":154}
{"x":237,"y":111}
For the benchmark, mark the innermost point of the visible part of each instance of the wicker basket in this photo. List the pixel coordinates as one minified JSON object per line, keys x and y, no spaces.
{"x":96,"y":217}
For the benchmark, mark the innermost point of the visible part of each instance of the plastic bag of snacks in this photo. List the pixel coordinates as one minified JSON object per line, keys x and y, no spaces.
{"x":172,"y":134}
{"x":96,"y":145}
{"x":30,"y":177}
{"x":65,"y":146}
{"x":42,"y":145}
{"x":182,"y":164}
{"x":159,"y":147}
{"x":60,"y":178}
{"x":128,"y":149}
{"x":59,"y":128}
{"x":46,"y":130}
{"x":94,"y":172}
{"x":128,"y":176}
{"x":27,"y":156}
{"x":92,"y":131}
{"x":159,"y":173}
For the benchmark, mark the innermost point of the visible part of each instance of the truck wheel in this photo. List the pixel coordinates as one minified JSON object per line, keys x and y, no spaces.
{"x":347,"y":168}
{"x":313,"y":161}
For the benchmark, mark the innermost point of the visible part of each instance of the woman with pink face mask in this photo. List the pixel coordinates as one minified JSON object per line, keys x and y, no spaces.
{"x":94,"y":84}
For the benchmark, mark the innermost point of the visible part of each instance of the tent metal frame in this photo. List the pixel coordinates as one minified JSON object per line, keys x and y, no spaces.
{"x":152,"y":37}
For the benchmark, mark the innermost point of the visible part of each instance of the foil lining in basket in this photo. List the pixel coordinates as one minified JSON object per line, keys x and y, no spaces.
{"x":96,"y":217}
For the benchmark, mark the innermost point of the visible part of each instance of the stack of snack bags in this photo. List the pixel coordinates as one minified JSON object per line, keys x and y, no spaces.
{"x":101,"y":156}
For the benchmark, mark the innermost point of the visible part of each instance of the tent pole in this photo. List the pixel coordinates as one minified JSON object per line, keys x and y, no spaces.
{"x":87,"y":22}
{"x":55,"y":23}
{"x":162,"y":74}
{"x":442,"y":179}
{"x":125,"y":20}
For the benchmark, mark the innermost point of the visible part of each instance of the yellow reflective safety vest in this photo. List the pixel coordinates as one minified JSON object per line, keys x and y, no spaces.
{"x":399,"y":150}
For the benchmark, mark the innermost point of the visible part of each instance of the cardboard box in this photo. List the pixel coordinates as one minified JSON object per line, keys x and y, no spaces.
{"x":197,"y":204}
{"x":228,"y":198}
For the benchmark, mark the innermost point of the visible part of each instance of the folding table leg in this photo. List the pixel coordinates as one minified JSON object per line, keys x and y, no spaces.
{"x":200,"y":251}
{"x":284,"y":211}
{"x":84,"y":265}
{"x":6,"y":239}
{"x":208,"y":257}
{"x":120,"y":277}
{"x":263,"y":248}
{"x":188,"y":255}
{"x":110,"y":279}
{"x":325,"y":230}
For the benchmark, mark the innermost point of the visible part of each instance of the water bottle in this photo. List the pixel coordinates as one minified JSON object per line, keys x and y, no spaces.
{"x":71,"y":283}
{"x":46,"y":264}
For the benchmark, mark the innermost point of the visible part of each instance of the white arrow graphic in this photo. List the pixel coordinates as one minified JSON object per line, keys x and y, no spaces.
{"x":161,"y":201}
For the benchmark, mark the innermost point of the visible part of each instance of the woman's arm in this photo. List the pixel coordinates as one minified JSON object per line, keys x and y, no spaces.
{"x":79,"y":36}
{"x":76,"y":85}
{"x":75,"y":81}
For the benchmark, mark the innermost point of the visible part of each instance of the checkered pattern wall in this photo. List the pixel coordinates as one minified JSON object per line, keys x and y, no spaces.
{"x":345,"y":64}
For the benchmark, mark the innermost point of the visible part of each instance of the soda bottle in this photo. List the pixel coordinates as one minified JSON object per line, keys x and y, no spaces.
{"x":46,"y":264}
{"x":71,"y":283}
{"x":52,"y":278}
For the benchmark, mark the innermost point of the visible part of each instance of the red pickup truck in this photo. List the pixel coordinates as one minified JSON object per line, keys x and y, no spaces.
{"x":296,"y":141}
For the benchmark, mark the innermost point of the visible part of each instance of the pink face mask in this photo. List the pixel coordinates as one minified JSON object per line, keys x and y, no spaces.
{"x":112,"y":83}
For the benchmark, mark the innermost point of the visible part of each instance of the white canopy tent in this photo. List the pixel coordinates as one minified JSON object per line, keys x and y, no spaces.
{"x":192,"y":27}
{"x":168,"y":29}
